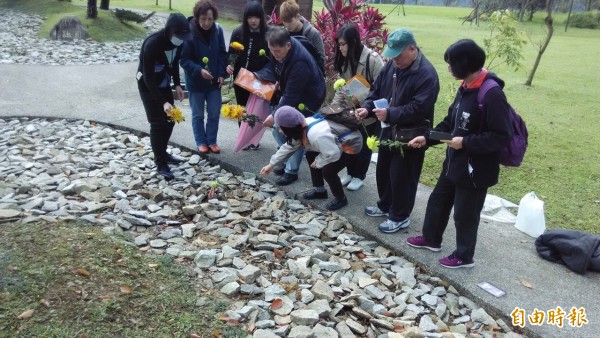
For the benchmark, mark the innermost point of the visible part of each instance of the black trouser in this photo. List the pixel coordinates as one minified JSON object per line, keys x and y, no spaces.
{"x":359,"y":165}
{"x":467,"y":203}
{"x":397,"y":181}
{"x":160,"y":127}
{"x":329,"y":172}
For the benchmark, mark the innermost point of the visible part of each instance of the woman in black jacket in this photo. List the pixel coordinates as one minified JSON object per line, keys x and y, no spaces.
{"x":159,"y":62}
{"x":471,"y":165}
{"x":252,"y":35}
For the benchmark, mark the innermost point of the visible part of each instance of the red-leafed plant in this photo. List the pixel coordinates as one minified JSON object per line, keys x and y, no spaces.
{"x":336,"y":14}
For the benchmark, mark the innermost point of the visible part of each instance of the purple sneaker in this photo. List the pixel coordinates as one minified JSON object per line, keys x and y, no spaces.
{"x":454,"y":262}
{"x":421,"y":243}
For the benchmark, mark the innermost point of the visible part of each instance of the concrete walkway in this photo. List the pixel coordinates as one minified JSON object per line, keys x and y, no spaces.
{"x":504,"y":257}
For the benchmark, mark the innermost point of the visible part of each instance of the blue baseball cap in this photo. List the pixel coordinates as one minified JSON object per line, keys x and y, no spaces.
{"x":397,"y":41}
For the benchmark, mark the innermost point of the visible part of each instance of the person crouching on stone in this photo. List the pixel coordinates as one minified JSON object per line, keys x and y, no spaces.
{"x":329,"y":146}
{"x":159,"y":62}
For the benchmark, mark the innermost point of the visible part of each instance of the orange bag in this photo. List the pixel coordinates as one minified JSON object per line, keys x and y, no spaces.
{"x":249,"y":82}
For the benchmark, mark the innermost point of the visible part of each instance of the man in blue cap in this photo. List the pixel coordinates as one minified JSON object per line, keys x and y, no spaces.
{"x":410,"y":85}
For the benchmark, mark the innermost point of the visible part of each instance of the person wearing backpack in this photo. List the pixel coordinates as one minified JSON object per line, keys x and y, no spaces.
{"x":300,"y":28}
{"x":329,"y":146}
{"x":353,"y":57}
{"x":299,"y":80}
{"x":472,"y":162}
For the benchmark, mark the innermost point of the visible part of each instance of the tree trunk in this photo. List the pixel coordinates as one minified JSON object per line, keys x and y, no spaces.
{"x":104,"y":4}
{"x":170,"y":6}
{"x":92,"y":9}
{"x":548,"y":21}
{"x":569,"y":16}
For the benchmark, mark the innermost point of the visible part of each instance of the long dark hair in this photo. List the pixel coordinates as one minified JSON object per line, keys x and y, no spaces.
{"x":351,"y":35}
{"x":253,"y":8}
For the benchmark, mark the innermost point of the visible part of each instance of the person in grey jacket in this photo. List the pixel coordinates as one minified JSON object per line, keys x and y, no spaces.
{"x":329,"y":146}
{"x":289,"y":12}
{"x":353,"y":58}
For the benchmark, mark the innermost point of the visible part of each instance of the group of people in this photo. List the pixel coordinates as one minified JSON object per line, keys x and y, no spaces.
{"x":407,"y":81}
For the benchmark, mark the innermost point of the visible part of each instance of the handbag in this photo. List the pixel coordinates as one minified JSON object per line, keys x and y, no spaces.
{"x":247,"y":80}
{"x":342,"y":114}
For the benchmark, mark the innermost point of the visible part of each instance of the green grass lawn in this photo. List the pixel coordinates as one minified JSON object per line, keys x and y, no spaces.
{"x":561,"y":108}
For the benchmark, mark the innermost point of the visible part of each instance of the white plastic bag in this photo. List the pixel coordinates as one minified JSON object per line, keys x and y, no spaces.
{"x":530,"y":218}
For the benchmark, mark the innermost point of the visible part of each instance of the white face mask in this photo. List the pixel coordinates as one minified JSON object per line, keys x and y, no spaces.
{"x":176,"y":41}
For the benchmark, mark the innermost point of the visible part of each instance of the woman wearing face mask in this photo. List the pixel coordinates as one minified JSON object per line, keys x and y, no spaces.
{"x":159,"y":62}
{"x":351,"y":58}
{"x":251,"y":33}
{"x":204,"y":59}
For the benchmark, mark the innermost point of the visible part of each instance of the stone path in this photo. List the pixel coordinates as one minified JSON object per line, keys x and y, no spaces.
{"x":304,"y":272}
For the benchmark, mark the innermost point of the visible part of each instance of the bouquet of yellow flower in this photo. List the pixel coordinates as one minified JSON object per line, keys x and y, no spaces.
{"x":175,"y":115}
{"x":237,"y":112}
{"x":373,"y":143}
{"x":235,"y":49}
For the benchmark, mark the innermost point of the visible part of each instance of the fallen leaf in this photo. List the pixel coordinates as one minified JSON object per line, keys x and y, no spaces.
{"x":26,"y":315}
{"x":217,"y":334}
{"x":153,"y":265}
{"x":44,"y":302}
{"x":222,"y":316}
{"x":279,"y":253}
{"x":193,"y":335}
{"x":526,"y":284}
{"x":10,"y":268}
{"x":83,"y":272}
{"x":93,"y":123}
{"x":361,"y":255}
{"x":180,"y":259}
{"x":277,"y":303}
{"x":105,"y":298}
{"x":125,"y":289}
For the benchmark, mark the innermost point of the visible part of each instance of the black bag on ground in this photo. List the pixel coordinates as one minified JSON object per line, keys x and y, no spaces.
{"x":342,"y":114}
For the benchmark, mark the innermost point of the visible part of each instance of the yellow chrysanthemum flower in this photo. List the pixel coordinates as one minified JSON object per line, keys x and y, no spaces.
{"x":226,"y":111}
{"x":372,"y":143}
{"x":301,"y":106}
{"x":237,"y":46}
{"x":262,"y":52}
{"x":175,"y":115}
{"x":205,"y":60}
{"x":338,"y":84}
{"x":237,"y":112}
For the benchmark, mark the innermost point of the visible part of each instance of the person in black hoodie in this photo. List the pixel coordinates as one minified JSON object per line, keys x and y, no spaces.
{"x":252,"y":35}
{"x":159,"y":62}
{"x":471,"y":165}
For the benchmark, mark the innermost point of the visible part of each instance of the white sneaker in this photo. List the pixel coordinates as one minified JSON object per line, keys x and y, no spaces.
{"x":346,"y":179}
{"x":355,"y":184}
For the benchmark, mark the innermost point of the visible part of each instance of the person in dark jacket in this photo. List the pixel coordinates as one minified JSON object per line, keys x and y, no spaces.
{"x":159,"y":62}
{"x":299,"y":80}
{"x":410,"y":84}
{"x":471,"y":165}
{"x":204,"y":59}
{"x":252,"y":35}
{"x":297,"y":25}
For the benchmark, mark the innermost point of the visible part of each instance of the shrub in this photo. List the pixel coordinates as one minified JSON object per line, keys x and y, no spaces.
{"x":585,"y":20}
{"x":127,"y":15}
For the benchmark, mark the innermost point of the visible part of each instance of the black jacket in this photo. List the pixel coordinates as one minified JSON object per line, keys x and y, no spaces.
{"x":484,"y":134}
{"x":250,"y":57}
{"x":300,"y":79}
{"x":155,"y":69}
{"x":577,"y":250}
{"x":417,"y":90}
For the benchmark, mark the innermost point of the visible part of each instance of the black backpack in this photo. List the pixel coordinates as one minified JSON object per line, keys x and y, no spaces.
{"x":312,"y":50}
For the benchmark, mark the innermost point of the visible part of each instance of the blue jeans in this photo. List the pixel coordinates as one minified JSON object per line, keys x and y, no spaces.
{"x":205,"y":135}
{"x":292,"y":165}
